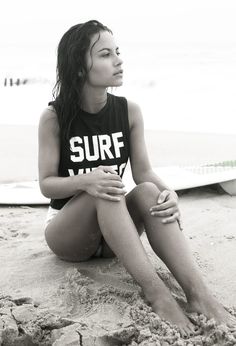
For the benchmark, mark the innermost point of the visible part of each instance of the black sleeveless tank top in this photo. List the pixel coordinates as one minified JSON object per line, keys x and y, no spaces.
{"x":96,"y":139}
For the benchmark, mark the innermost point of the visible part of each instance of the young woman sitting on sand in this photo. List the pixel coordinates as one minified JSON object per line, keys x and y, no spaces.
{"x":86,"y":137}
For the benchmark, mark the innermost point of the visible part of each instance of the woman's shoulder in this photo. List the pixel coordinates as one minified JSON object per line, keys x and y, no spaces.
{"x":49,"y":120}
{"x":135,"y":113}
{"x":49,"y":113}
{"x":133,"y":106}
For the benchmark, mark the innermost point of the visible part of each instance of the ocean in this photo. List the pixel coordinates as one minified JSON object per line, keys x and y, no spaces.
{"x":186,"y":92}
{"x":187,"y":87}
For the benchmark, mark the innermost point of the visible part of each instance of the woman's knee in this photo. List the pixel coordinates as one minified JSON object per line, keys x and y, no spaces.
{"x":145,"y":195}
{"x":147,"y":189}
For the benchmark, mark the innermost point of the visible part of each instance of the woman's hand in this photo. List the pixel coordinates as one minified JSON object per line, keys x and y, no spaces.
{"x":167,"y":207}
{"x":104,"y":182}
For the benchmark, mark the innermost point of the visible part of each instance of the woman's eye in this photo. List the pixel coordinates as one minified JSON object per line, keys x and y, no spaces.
{"x":106,"y":55}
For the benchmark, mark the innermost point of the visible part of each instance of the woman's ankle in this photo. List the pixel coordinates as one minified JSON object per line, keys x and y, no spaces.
{"x":196,"y":294}
{"x":156,"y":291}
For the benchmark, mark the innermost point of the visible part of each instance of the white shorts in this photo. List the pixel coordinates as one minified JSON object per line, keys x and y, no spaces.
{"x":52,"y":213}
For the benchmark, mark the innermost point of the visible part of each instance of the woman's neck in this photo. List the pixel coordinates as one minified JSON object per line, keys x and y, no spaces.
{"x":93,"y":100}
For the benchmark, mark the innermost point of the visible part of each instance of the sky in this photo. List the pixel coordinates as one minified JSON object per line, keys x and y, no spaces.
{"x":191,"y":44}
{"x":30,"y":30}
{"x":45,"y":21}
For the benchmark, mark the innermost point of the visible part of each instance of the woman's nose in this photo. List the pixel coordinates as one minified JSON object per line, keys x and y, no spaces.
{"x":119,"y":61}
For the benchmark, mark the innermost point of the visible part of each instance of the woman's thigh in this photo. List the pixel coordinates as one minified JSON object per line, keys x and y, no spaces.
{"x":74,"y":233}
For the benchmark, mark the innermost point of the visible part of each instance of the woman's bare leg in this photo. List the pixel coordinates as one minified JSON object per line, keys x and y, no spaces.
{"x":170,"y":245}
{"x":74,"y":234}
{"x":122,"y":237}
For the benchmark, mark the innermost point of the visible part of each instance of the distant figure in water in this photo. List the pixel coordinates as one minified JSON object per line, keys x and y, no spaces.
{"x":86,"y":137}
{"x":11,"y":82}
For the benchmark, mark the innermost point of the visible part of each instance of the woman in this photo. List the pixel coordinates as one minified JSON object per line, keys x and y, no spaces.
{"x":86,"y":137}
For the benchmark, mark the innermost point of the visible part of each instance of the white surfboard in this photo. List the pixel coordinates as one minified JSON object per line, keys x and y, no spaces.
{"x":22,"y":193}
{"x":177,"y":178}
{"x":181,"y":178}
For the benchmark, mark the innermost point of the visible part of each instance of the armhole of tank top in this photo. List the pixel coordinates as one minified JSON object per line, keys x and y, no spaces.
{"x":51,"y":108}
{"x":127,"y":121}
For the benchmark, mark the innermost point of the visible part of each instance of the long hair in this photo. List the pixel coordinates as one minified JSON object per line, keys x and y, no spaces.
{"x":72,"y":71}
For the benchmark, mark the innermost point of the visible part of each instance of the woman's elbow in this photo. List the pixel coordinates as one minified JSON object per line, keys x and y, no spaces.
{"x":140,"y":177}
{"x":137,"y":179}
{"x":44,"y":188}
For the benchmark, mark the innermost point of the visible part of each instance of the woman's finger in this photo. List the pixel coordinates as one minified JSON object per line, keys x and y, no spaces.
{"x":113,"y":177}
{"x":180,"y":222}
{"x":163,"y":196}
{"x":115,"y":190}
{"x":163,"y":206}
{"x":107,"y":169}
{"x":108,"y":197}
{"x":114,"y":183}
{"x":171,"y":219}
{"x":167,"y":212}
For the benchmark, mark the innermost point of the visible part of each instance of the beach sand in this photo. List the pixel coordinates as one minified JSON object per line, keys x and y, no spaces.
{"x":46,"y":301}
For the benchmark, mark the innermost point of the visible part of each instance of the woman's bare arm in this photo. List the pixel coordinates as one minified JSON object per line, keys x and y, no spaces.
{"x":51,"y":185}
{"x":140,"y":164}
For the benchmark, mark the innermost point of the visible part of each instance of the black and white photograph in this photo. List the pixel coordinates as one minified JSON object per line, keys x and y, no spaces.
{"x":118,"y":173}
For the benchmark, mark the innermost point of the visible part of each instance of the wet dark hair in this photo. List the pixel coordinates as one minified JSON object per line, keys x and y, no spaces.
{"x":72,"y":71}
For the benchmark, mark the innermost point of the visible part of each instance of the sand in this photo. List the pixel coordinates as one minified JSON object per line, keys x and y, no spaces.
{"x":46,"y":301}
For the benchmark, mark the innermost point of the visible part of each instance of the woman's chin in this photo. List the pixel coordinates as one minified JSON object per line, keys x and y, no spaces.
{"x":117,"y":84}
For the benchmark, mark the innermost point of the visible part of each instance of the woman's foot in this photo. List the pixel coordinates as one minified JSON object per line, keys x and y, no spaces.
{"x":165,"y":306}
{"x":206,"y":304}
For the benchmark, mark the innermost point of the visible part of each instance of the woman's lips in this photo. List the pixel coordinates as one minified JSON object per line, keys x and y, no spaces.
{"x":118,"y":73}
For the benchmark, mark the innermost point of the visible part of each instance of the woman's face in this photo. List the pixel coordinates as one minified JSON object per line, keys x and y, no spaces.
{"x":104,"y":65}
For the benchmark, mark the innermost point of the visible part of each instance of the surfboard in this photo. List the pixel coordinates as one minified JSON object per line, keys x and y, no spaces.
{"x":185,"y":177}
{"x":175,"y":177}
{"x":22,"y":193}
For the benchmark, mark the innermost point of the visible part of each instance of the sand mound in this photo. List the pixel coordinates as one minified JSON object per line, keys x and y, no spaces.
{"x":102,"y":307}
{"x":46,"y":301}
